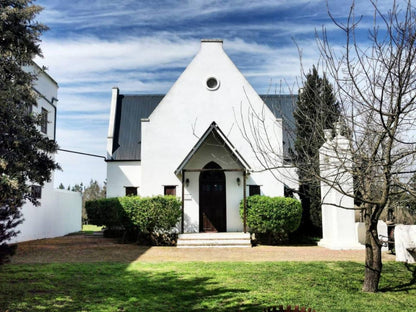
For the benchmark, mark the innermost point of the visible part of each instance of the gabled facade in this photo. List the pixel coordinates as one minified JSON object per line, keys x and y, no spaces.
{"x":196,"y":142}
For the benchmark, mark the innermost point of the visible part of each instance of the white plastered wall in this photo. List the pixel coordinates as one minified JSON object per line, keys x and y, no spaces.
{"x":405,"y":243}
{"x":122,"y":174}
{"x":338,"y":216}
{"x":46,"y":90}
{"x":58,"y":214}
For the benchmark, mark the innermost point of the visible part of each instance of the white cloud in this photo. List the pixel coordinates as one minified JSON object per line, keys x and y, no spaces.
{"x":127,"y":85}
{"x":84,"y":139}
{"x":89,"y":66}
{"x":144,"y":13}
{"x":73,"y":102}
{"x":82,"y":117}
{"x":85,"y":55}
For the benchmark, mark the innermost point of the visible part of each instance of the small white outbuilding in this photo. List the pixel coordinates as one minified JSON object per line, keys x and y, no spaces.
{"x":201,"y":142}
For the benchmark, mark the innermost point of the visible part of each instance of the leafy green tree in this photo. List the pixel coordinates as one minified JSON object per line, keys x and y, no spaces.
{"x":61,"y":186}
{"x":78,"y":188}
{"x":25,"y":154}
{"x":92,"y":192}
{"x":316,"y":110}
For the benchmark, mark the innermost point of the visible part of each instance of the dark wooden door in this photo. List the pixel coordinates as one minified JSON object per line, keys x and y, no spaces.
{"x":212,"y":200}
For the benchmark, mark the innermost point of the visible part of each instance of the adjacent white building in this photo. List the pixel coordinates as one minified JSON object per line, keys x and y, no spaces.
{"x":59,"y":212}
{"x":200,"y":142}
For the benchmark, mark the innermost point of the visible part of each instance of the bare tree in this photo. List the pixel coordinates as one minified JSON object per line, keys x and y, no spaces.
{"x":375,"y":85}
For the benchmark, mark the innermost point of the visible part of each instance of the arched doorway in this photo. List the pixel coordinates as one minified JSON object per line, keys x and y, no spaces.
{"x":212,"y":199}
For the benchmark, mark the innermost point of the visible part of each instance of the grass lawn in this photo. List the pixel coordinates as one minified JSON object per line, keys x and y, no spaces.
{"x":89,"y":228}
{"x":201,"y":286}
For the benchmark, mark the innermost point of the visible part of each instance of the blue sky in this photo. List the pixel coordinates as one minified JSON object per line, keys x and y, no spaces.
{"x":143,"y":46}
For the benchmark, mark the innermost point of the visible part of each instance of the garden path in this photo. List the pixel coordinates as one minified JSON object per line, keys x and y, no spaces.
{"x":87,"y":248}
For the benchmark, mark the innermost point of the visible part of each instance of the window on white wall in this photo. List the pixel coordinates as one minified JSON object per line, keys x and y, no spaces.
{"x":29,"y":109}
{"x":253,"y":190}
{"x":169,"y":190}
{"x":44,"y":121}
{"x":131,"y":191}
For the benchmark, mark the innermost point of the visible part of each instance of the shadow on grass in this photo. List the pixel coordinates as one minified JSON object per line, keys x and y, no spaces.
{"x":302,"y":239}
{"x":296,"y":239}
{"x":109,"y":287}
{"x":405,"y":287}
{"x":200,"y":286}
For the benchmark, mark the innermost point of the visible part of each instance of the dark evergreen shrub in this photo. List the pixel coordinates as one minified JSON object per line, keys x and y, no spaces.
{"x":104,"y":211}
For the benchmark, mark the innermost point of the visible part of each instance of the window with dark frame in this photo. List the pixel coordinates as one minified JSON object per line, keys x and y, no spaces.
{"x":253,"y":190}
{"x":29,"y":109}
{"x":44,"y":121}
{"x":36,"y":191}
{"x":170,"y":190}
{"x":131,"y":191}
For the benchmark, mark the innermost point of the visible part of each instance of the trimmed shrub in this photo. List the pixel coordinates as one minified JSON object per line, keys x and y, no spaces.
{"x":129,"y":205}
{"x":135,"y":216}
{"x":272,"y":217}
{"x":157,"y":214}
{"x":104,"y":211}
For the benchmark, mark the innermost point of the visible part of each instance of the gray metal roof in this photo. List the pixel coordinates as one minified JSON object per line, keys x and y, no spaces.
{"x":131,"y":109}
{"x":283,"y":106}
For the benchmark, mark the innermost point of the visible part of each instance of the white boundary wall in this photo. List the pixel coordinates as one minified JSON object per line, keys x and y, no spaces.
{"x":404,"y":238}
{"x":58,"y":214}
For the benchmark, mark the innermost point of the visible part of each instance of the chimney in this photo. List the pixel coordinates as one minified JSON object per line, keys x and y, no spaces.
{"x":211,"y":44}
{"x":114,"y":96}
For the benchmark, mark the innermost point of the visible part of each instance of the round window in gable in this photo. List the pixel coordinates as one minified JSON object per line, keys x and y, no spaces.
{"x":213,"y":83}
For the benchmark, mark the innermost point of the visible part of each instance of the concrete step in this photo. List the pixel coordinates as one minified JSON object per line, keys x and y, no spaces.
{"x":205,"y":240}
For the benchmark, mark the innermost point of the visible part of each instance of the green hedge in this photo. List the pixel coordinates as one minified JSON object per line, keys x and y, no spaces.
{"x":273,"y":216}
{"x":152,"y":214}
{"x":104,"y":211}
{"x":133,"y":213}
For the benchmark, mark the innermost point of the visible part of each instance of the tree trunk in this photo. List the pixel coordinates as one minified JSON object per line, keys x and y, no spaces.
{"x":373,"y":264}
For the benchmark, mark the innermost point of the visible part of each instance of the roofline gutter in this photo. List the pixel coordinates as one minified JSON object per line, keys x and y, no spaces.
{"x":80,"y":153}
{"x":120,"y":160}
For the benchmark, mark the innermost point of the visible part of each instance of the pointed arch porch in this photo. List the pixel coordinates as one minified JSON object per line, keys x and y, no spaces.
{"x":223,"y":145}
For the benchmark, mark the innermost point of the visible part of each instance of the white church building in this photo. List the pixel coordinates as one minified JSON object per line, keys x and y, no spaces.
{"x":204,"y":142}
